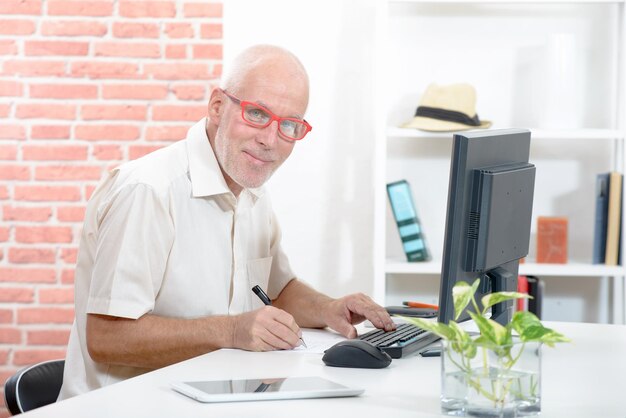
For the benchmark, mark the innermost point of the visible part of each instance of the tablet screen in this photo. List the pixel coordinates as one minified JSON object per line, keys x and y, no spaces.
{"x":283,"y":384}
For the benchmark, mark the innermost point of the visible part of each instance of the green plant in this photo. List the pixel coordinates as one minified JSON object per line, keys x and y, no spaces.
{"x":492,"y":337}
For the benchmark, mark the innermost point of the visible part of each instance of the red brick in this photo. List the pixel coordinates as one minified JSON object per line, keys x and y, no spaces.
{"x":189,"y":92}
{"x":25,"y":213}
{"x":17,"y":294}
{"x":56,"y":295}
{"x":89,"y":189}
{"x":107,"y":132}
{"x":6,"y":316}
{"x":107,"y":152}
{"x":173,"y":112}
{"x":36,"y":234}
{"x":179,"y":30}
{"x":14,"y":172}
{"x":10,"y":88}
{"x":71,"y":214}
{"x":7,"y":47}
{"x":16,"y":27}
{"x":176,"y":51}
{"x":99,"y":112}
{"x":27,"y":275}
{"x":4,"y":234}
{"x":54,"y":152}
{"x":50,"y":132}
{"x":37,"y":48}
{"x":211,"y":30}
{"x":147,"y":8}
{"x":207,"y":51}
{"x":134,"y":91}
{"x":4,"y":354}
{"x":127,"y":49}
{"x":135,"y":30}
{"x":68,"y":172}
{"x":34,"y":68}
{"x":202,"y":9}
{"x":216,"y":70}
{"x":166,"y":133}
{"x":64,"y":91}
{"x":21,"y":7}
{"x":178,"y":71}
{"x":73,"y":28}
{"x":45,"y":110}
{"x":4,"y":192}
{"x":47,"y":193}
{"x":137,"y":151}
{"x":67,"y":277}
{"x":48,"y":337}
{"x":10,"y":335}
{"x":8,"y":152}
{"x":32,"y":356}
{"x":45,"y":315}
{"x":80,"y":8}
{"x":31,"y":255}
{"x":69,"y":255}
{"x":12,"y":132}
{"x":4,"y":110}
{"x":96,"y":69}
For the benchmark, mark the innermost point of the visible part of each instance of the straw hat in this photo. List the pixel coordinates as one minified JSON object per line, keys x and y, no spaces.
{"x":447,"y":108}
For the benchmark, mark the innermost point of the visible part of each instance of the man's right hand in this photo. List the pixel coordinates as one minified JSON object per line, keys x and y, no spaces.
{"x":266,"y":329}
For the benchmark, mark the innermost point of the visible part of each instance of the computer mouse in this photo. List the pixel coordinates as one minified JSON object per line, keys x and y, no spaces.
{"x":356,"y":353}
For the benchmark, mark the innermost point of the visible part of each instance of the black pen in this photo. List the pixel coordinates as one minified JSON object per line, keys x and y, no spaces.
{"x":267,"y":302}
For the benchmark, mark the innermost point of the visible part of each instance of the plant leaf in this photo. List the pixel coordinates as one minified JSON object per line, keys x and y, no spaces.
{"x":491,"y":330}
{"x":542,"y":334}
{"x":493,"y":298}
{"x":523,"y":320}
{"x":439,"y":328}
{"x":462,"y":294}
{"x":465,"y":343}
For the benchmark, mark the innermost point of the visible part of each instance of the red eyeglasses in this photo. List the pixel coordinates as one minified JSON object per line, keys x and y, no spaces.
{"x":256,"y":115}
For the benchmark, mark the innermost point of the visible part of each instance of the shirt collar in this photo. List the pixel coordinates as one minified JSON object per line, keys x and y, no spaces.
{"x":204,"y":170}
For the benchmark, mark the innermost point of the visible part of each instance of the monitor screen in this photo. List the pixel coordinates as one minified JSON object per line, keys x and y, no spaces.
{"x":488,"y":218}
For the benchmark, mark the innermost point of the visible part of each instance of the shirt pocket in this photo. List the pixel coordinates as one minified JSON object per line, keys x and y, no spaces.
{"x":258,"y":274}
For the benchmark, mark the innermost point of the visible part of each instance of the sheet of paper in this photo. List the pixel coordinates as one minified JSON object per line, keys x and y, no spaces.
{"x":318,"y":340}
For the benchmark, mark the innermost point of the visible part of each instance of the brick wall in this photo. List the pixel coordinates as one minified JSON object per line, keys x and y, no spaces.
{"x":84,"y":85}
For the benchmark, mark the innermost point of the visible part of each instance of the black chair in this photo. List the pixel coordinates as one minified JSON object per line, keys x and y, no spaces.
{"x":34,"y":386}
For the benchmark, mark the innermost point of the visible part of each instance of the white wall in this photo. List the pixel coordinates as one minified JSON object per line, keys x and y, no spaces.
{"x":323,"y":194}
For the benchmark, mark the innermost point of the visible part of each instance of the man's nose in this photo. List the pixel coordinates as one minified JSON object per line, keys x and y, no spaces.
{"x":269,"y":135}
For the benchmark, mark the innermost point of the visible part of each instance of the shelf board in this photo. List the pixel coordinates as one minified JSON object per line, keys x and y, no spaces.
{"x":536,"y":269}
{"x":578,"y":134}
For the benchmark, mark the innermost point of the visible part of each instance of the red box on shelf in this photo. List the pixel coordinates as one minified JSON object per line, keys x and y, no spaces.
{"x":551,"y":240}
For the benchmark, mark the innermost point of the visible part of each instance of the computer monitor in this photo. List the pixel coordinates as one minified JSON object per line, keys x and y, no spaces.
{"x":490,"y":198}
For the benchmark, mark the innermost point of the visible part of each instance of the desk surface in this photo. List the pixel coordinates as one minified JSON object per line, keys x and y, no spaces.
{"x":584,"y":378}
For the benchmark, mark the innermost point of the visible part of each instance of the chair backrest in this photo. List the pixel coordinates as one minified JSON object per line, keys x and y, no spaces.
{"x":34,"y":386}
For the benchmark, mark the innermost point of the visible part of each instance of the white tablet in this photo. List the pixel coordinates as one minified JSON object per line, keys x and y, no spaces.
{"x":264,"y":389}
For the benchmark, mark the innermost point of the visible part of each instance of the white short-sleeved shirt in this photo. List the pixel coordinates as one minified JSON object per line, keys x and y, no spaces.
{"x":164,"y":235}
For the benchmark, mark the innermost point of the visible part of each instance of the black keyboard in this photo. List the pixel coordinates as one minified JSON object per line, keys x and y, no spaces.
{"x":405,"y":340}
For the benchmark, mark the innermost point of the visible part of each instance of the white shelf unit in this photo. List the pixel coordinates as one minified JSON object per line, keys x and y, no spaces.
{"x":577,"y":125}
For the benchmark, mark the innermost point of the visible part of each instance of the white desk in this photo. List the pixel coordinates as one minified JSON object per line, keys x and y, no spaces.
{"x":581,"y":379}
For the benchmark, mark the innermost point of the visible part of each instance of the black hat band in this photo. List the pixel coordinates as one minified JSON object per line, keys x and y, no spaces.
{"x":447,"y":115}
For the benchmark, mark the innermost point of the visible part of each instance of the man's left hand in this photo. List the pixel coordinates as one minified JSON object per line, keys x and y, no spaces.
{"x":342,"y":314}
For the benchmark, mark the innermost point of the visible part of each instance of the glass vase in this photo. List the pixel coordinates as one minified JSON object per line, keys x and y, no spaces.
{"x":492,"y":381}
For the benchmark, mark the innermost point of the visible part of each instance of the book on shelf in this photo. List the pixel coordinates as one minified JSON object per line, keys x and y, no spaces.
{"x":522,"y":287}
{"x":601,"y":218}
{"x":535,"y":289}
{"x":614,"y":218}
{"x":409,"y":227}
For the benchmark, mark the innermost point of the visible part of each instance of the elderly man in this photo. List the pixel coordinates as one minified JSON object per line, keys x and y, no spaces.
{"x":173,"y":242}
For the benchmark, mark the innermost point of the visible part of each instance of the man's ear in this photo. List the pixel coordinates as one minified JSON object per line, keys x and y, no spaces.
{"x":216,"y":106}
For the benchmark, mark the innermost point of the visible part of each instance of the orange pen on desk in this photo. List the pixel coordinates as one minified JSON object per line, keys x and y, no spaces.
{"x":420,"y":305}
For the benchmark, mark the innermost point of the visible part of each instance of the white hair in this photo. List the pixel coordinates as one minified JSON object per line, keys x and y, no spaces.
{"x":260,"y":55}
